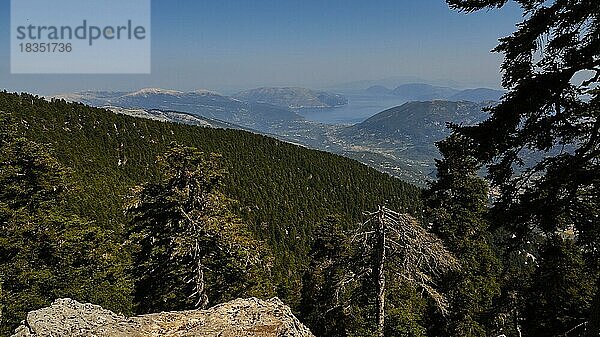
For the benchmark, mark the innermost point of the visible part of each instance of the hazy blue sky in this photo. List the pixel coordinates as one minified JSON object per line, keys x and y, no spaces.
{"x":227,"y":44}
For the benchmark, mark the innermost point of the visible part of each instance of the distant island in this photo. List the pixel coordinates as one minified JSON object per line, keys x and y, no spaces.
{"x":427,"y":92}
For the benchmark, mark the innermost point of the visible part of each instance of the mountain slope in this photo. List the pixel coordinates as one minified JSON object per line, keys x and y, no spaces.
{"x":293,"y":98}
{"x":176,"y":117}
{"x":406,"y":152}
{"x":208,"y":104}
{"x":401,"y":140}
{"x":378,"y":90}
{"x":478,"y":95}
{"x":283,"y":190}
{"x":422,"y":120}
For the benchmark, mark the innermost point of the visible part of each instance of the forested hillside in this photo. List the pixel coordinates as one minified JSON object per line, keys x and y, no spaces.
{"x":282,"y":190}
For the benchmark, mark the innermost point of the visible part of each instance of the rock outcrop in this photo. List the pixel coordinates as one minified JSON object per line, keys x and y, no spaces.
{"x":238,"y":318}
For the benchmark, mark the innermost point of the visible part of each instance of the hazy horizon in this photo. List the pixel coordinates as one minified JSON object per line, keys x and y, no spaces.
{"x":234,"y":45}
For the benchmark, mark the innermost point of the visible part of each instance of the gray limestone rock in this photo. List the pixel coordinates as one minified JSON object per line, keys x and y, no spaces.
{"x":237,"y":318}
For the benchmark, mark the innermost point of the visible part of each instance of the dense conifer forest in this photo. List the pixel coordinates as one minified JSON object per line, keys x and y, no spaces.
{"x":280,"y":191}
{"x":141,"y":216}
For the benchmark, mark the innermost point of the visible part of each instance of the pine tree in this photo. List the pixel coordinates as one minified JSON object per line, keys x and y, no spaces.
{"x":189,"y":250}
{"x":457,"y":209}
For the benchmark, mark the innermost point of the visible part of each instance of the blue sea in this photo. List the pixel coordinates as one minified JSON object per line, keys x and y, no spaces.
{"x":359,"y":108}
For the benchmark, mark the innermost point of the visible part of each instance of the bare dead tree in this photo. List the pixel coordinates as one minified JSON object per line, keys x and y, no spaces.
{"x":195,"y":251}
{"x":403,"y":248}
{"x":223,"y":235}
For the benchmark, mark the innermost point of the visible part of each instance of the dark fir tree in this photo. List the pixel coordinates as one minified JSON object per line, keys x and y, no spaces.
{"x":45,"y":251}
{"x":594,"y":326}
{"x":457,"y":210}
{"x":189,"y":250}
{"x":563,"y":302}
{"x":321,"y":308}
{"x":541,"y":146}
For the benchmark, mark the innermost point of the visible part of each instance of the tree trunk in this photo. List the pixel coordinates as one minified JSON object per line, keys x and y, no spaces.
{"x":200,"y":286}
{"x":381,"y":273}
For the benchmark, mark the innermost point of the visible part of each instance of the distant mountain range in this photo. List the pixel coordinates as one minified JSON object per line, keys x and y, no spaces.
{"x":208,"y":104}
{"x":426,"y":92}
{"x":292,"y":98}
{"x":392,"y":82}
{"x":399,"y":141}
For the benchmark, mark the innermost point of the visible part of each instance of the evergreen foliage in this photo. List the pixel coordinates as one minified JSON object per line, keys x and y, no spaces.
{"x":457,"y":210}
{"x":281,"y":189}
{"x":47,"y":252}
{"x":562,"y":304}
{"x":541,"y":147}
{"x":372,"y":281}
{"x":190,"y":250}
{"x":329,"y":260}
